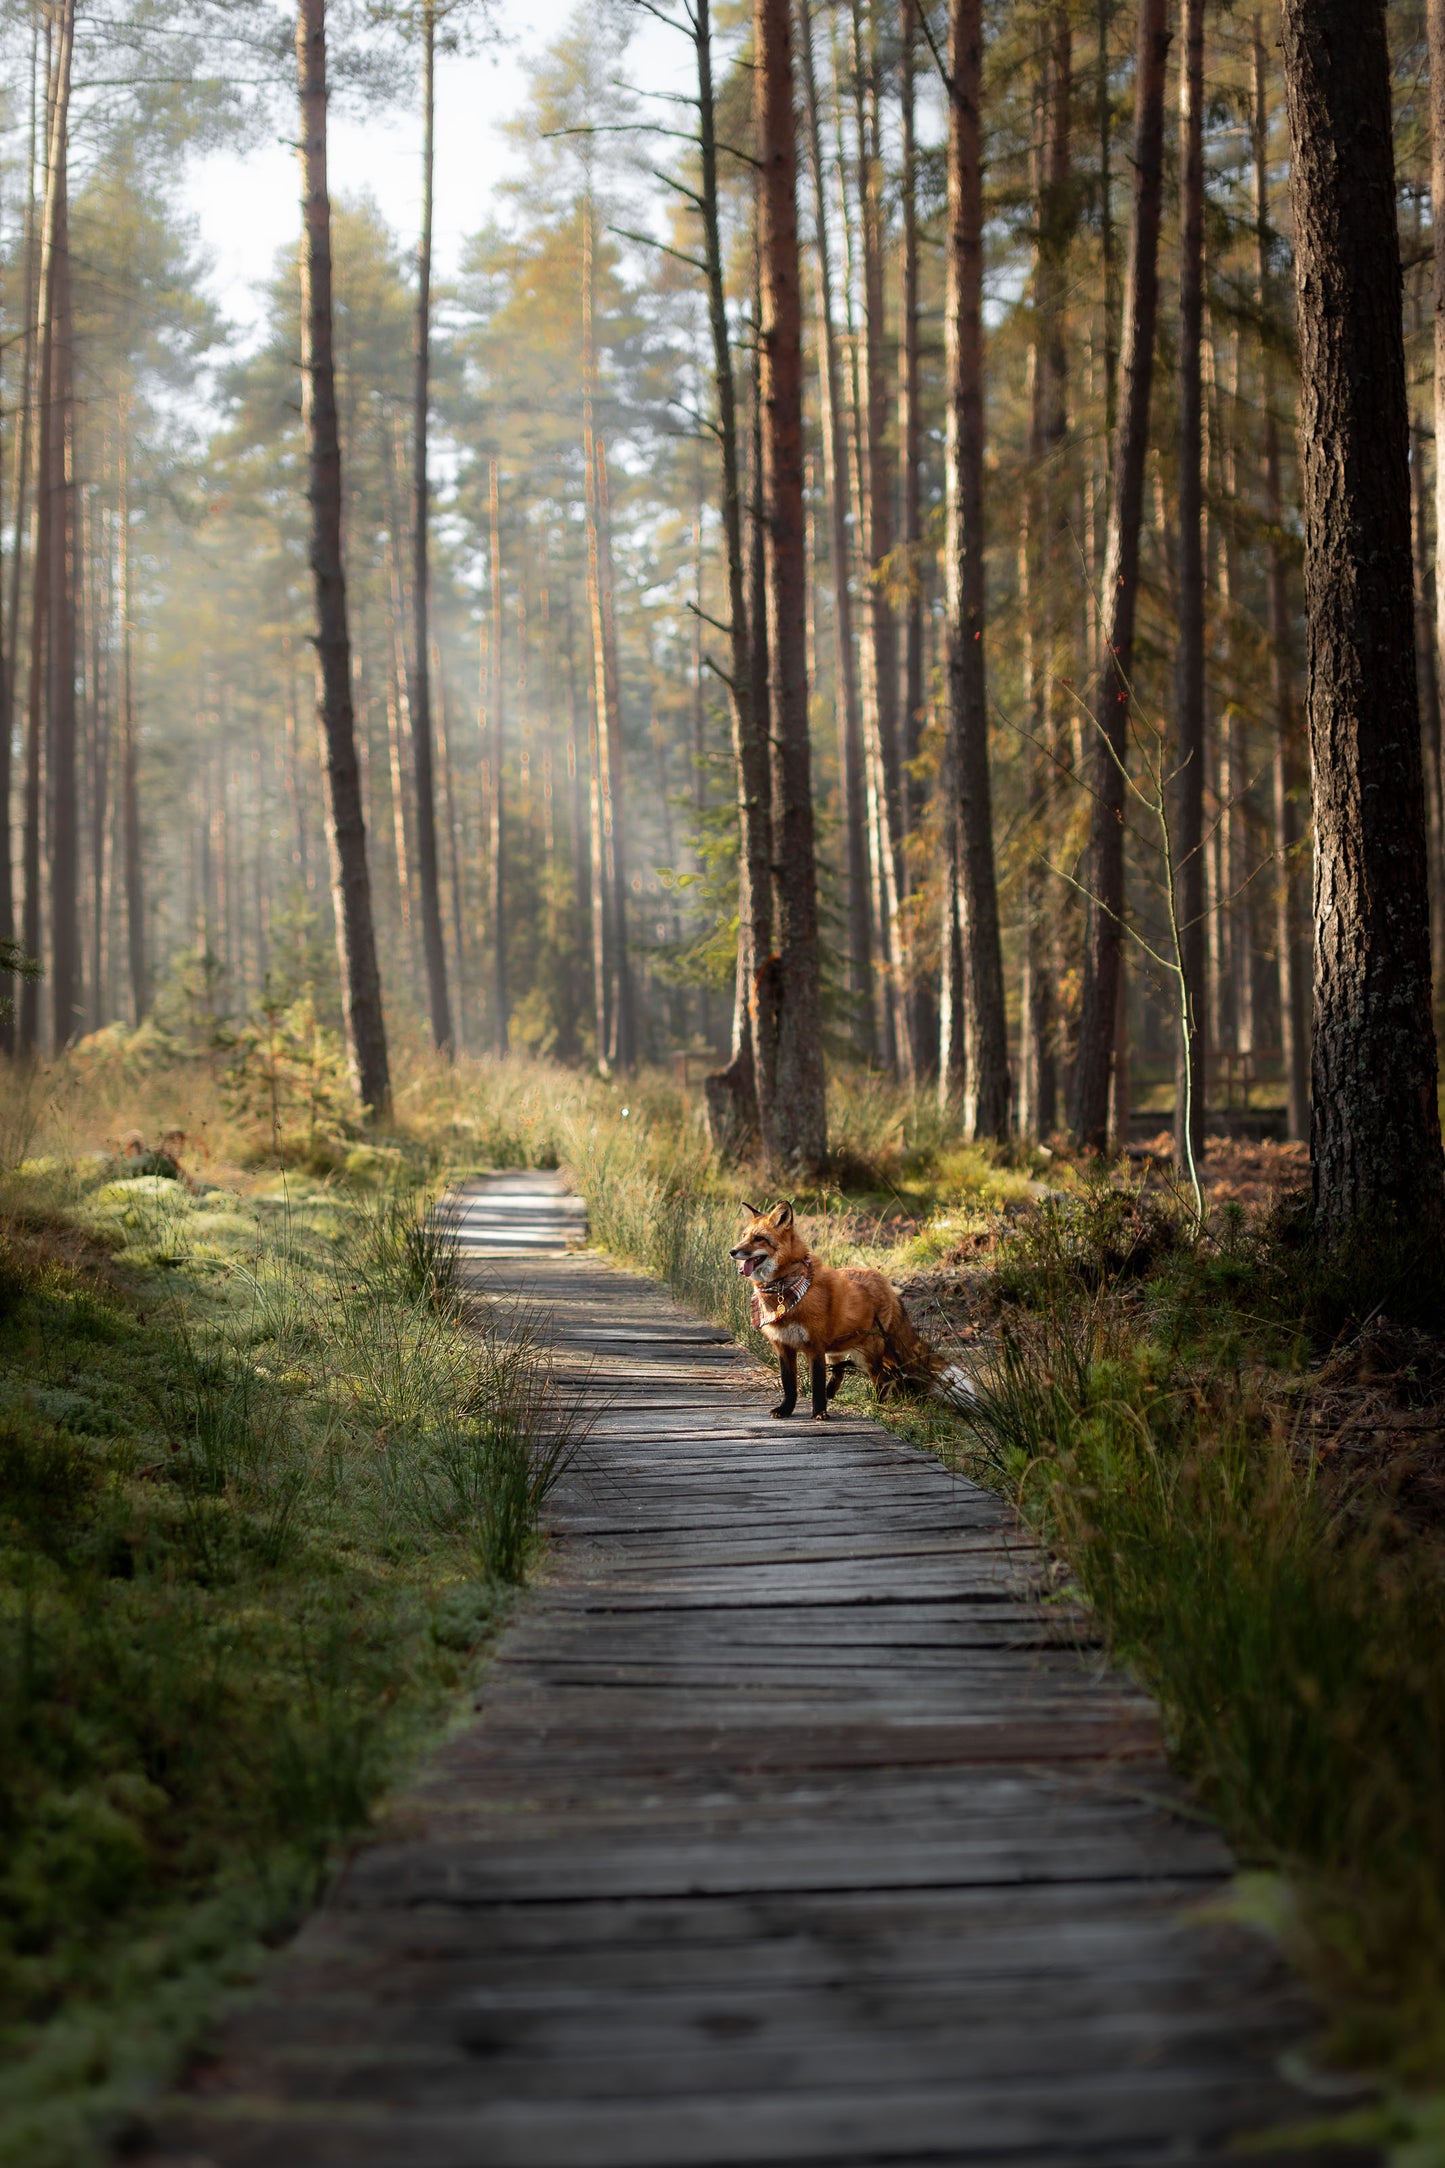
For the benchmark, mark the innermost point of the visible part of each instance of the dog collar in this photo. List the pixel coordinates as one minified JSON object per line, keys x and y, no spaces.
{"x":792,"y":1290}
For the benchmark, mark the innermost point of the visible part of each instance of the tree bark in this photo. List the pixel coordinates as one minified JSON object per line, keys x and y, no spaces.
{"x":967,"y":802}
{"x":612,"y":979}
{"x":10,"y":663}
{"x":1375,"y":1126}
{"x":41,"y":555}
{"x":1045,"y":536}
{"x":599,"y":889}
{"x":759,"y":996}
{"x":98,"y":589}
{"x":876,"y":538}
{"x":579,"y":837}
{"x":360,"y":976}
{"x":63,"y":850}
{"x":622,"y":1049}
{"x":398,"y":728}
{"x":428,"y":877}
{"x":1293,"y":1037}
{"x":1114,"y":690}
{"x":454,"y":866}
{"x":731,"y":1094}
{"x":1429,"y":704}
{"x":835,"y":471}
{"x":496,"y":784}
{"x":922,"y":996}
{"x":910,"y":417}
{"x":1037,"y":1086}
{"x":1435,"y":31}
{"x":134,"y":875}
{"x":799,"y":1110}
{"x":1187,"y":872}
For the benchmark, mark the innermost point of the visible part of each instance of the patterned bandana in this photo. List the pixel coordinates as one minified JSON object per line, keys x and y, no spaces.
{"x":791,"y":1290}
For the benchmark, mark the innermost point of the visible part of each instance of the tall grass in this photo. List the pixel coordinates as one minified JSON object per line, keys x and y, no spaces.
{"x":654,"y":1197}
{"x":1290,"y":1631}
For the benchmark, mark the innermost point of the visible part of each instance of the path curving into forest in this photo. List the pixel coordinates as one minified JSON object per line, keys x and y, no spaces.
{"x":793,"y":1824}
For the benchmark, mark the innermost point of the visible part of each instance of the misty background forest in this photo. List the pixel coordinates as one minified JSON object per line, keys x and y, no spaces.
{"x":578,"y":859}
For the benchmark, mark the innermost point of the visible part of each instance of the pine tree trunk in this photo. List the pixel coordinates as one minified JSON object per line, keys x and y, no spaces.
{"x":967,"y":800}
{"x":1035,"y":1078}
{"x":9,"y":660}
{"x":910,"y":418}
{"x":1046,"y":540}
{"x":1293,"y":1037}
{"x":360,"y":976}
{"x":622,"y":1048}
{"x":882,"y":915}
{"x":1104,"y":926}
{"x":1435,"y":29}
{"x":835,"y":471}
{"x":10,"y":673}
{"x":496,"y":785}
{"x":877,"y":535}
{"x":428,"y":875}
{"x":129,"y":758}
{"x":798,"y":1123}
{"x":1187,"y":872}
{"x":1375,"y":1127}
{"x":454,"y":864}
{"x":731,"y":1094}
{"x":759,"y":997}
{"x":570,"y":1041}
{"x":398,"y":728}
{"x":952,"y":999}
{"x":1230,"y":1000}
{"x":97,"y":573}
{"x":604,"y":930}
{"x":63,"y":843}
{"x":1429,"y":706}
{"x":922,"y":996}
{"x":42,"y":554}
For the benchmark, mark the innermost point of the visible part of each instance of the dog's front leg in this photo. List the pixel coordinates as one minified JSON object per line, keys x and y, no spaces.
{"x":818,"y":1373}
{"x":788,"y":1369}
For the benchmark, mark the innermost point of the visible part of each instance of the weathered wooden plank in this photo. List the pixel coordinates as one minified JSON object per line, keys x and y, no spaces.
{"x":1184,"y":2114}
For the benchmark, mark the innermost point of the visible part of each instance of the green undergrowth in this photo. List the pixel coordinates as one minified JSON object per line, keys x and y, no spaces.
{"x":1148,"y":1401}
{"x":265,"y":1485}
{"x":259,"y":1494}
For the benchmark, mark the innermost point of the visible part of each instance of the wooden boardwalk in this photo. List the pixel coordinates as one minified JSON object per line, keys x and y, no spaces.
{"x":793,"y":1825}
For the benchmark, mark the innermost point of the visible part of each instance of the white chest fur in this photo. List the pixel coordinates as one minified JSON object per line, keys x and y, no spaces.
{"x":787,"y":1335}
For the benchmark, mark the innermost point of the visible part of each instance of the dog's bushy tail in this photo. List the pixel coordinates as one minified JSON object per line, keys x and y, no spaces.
{"x":916,"y":1363}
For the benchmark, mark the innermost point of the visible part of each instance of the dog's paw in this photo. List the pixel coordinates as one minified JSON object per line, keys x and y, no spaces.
{"x":821,"y":1415}
{"x":780,"y":1412}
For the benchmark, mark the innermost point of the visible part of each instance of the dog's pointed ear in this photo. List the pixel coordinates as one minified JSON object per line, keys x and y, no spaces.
{"x":783,"y":1216}
{"x":751,"y":1210}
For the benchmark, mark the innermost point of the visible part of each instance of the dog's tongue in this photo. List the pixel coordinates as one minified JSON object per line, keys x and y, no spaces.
{"x":746,"y":1265}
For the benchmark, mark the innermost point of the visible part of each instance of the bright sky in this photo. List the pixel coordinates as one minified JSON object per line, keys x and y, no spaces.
{"x":247,"y":204}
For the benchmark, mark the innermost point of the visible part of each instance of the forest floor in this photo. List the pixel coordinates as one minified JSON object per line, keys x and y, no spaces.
{"x":266,"y":1482}
{"x":1232,"y":1445}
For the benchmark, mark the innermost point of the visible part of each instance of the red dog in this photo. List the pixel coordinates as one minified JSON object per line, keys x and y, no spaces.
{"x":806,"y":1307}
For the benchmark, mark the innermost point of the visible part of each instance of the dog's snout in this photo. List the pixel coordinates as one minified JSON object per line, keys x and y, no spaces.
{"x":740,"y":1251}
